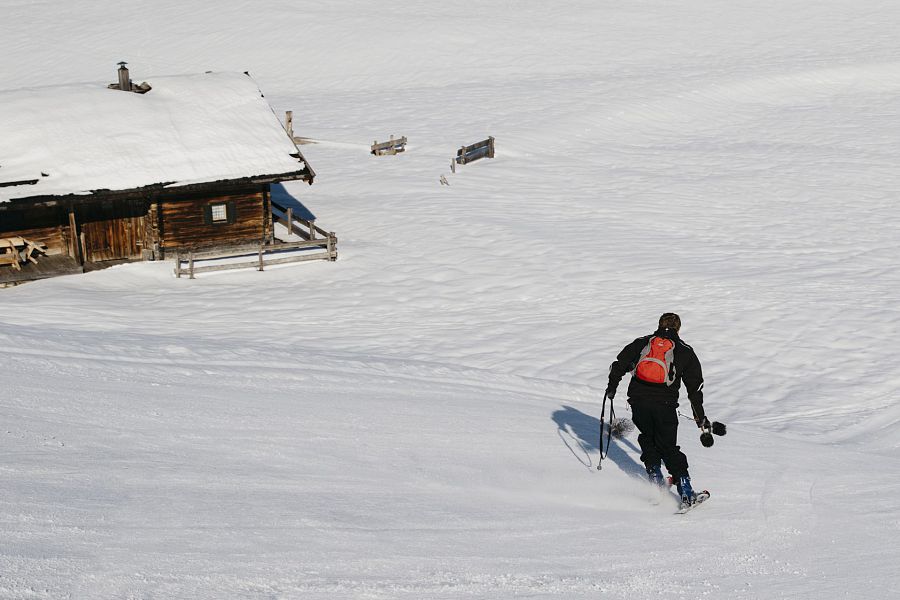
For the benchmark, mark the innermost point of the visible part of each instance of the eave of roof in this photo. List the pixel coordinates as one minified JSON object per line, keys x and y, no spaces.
{"x":160,"y":189}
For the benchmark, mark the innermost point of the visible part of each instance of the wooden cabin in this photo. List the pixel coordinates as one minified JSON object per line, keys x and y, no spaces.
{"x":99,"y":174}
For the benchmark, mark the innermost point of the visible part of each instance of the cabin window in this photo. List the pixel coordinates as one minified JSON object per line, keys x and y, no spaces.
{"x":219,"y":213}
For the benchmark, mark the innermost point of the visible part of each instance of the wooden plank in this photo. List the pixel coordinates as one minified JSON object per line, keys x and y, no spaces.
{"x":73,"y":236}
{"x":227,"y":267}
{"x":248,"y":249}
{"x":296,"y":245}
{"x":298,"y":258}
{"x":22,"y":182}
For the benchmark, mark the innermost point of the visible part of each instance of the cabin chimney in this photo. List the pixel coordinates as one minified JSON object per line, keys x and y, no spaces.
{"x":124,"y":78}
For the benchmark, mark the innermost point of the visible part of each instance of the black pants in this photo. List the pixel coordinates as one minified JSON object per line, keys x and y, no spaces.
{"x":658,"y":424}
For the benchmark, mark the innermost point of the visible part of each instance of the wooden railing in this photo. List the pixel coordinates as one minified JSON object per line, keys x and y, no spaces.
{"x":307,"y":229}
{"x":389,"y":147}
{"x":264,"y":255}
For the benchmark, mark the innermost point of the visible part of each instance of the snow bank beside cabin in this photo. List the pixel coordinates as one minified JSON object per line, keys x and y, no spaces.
{"x":74,"y":139}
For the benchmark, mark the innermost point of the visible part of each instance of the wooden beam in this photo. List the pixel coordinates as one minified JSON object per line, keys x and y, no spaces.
{"x":77,"y":240}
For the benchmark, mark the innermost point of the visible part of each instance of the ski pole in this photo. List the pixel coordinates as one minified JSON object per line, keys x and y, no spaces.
{"x":612,"y":418}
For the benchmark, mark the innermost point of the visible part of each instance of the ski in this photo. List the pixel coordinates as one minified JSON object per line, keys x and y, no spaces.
{"x":700,"y":499}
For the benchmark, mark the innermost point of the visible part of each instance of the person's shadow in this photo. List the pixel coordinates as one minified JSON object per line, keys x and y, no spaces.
{"x":580,"y":432}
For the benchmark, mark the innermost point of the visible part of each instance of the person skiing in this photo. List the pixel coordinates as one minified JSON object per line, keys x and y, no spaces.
{"x":659,"y":363}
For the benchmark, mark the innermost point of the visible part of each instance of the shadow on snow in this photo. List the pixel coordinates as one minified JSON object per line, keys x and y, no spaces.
{"x":580,"y":432}
{"x":282,"y":196}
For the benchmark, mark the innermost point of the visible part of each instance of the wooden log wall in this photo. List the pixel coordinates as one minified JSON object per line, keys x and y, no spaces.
{"x":112,"y":229}
{"x":142,"y":227}
{"x":185,"y":222}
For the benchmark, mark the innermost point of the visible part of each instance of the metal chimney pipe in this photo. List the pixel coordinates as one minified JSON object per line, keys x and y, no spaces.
{"x":124,"y":78}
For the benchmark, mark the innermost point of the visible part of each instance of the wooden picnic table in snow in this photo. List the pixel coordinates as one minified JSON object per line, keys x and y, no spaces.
{"x":15,"y":250}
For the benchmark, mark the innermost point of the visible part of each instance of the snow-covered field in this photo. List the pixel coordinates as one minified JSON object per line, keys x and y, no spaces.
{"x":419,"y":419}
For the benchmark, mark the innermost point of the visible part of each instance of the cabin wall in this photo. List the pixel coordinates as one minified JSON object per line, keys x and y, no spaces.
{"x":186,"y":221}
{"x":112,"y":229}
{"x":142,"y":227}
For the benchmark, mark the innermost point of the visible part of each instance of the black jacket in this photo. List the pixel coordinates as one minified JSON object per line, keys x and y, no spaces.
{"x":687,"y":369}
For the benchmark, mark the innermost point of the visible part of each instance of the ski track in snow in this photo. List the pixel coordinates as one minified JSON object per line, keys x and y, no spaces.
{"x":419,"y":419}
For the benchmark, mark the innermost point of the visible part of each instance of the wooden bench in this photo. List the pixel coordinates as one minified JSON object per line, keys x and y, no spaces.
{"x":14,"y":250}
{"x":9,"y":253}
{"x":32,"y":247}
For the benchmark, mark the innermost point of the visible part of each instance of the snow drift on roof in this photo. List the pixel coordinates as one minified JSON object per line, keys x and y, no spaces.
{"x":73,"y":139}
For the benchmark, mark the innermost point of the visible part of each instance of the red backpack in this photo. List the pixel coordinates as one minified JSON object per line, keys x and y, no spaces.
{"x":655,"y":363}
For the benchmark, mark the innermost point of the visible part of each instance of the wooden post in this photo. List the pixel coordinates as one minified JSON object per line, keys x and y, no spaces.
{"x":289,"y":123}
{"x":490,"y":147}
{"x":178,"y":264}
{"x":332,"y":255}
{"x":453,"y":165}
{"x":312,"y":229}
{"x":260,"y":257}
{"x":77,"y":243}
{"x":290,"y":220}
{"x":191,"y":264}
{"x":81,"y":248}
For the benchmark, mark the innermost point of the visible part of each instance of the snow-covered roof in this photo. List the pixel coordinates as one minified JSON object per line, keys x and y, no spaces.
{"x":73,"y":139}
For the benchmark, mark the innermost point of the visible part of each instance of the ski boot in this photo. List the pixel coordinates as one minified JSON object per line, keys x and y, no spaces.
{"x":654,"y":472}
{"x":688,"y":497}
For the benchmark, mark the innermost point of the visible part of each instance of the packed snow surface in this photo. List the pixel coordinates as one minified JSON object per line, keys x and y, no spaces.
{"x":72,"y":139}
{"x":420,"y":418}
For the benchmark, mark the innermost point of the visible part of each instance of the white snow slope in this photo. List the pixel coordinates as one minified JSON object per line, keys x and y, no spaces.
{"x":419,"y":419}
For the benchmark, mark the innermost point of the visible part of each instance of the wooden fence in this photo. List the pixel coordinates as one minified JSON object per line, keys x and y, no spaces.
{"x":259,"y":256}
{"x":296,"y":225}
{"x":477,"y":151}
{"x":264,"y":255}
{"x":389,"y":147}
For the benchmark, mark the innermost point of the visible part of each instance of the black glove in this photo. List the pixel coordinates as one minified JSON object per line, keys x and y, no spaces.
{"x":611,"y":392}
{"x":704,"y":424}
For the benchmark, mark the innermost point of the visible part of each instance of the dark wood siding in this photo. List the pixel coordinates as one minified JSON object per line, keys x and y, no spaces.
{"x":185,"y":221}
{"x":113,"y":229}
{"x":45,"y":225}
